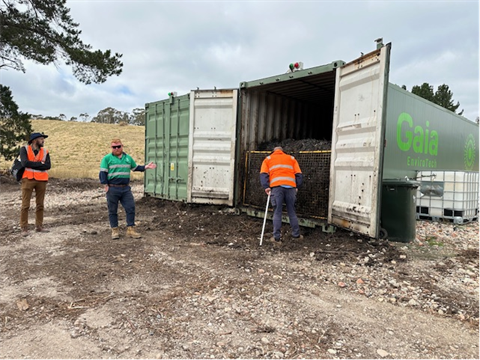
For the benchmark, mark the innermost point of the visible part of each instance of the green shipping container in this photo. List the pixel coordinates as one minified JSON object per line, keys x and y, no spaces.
{"x":192,"y":140}
{"x":422,"y":136}
{"x":377,"y":132}
{"x":166,"y":143}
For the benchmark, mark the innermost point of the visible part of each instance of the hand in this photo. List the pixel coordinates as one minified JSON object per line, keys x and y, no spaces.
{"x":151,"y":165}
{"x":106,"y":188}
{"x":268,"y":191}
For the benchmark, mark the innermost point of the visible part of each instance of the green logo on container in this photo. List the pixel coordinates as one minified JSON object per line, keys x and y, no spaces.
{"x":420,"y":142}
{"x":469,"y":152}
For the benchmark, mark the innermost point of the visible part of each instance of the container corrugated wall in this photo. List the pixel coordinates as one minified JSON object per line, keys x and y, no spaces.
{"x":297,"y":105}
{"x":167,"y":128}
{"x":191,"y":138}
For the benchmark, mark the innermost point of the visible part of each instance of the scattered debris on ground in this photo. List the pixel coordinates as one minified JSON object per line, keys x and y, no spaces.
{"x":198,"y":285}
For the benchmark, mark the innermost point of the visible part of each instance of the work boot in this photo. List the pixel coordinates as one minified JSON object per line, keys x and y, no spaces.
{"x":25,"y":232}
{"x":132,"y":233}
{"x":41,"y":229}
{"x":275,"y":242}
{"x":115,"y":234}
{"x":299,"y":237}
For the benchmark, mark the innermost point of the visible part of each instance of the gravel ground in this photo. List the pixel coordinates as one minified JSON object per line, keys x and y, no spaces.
{"x":198,"y":285}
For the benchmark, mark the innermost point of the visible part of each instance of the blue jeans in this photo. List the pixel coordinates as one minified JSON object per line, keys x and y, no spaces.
{"x":125,"y":197}
{"x":278,"y":196}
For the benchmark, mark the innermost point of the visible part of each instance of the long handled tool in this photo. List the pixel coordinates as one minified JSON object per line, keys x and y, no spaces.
{"x":265,"y":219}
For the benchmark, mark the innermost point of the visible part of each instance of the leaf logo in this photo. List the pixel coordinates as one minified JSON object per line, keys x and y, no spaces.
{"x":469,"y":152}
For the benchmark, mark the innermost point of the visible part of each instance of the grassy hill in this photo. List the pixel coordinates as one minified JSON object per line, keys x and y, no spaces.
{"x":76,"y":148}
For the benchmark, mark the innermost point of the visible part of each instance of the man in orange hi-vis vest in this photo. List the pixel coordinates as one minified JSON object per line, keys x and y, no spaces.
{"x":280,"y":176}
{"x":36,"y":161}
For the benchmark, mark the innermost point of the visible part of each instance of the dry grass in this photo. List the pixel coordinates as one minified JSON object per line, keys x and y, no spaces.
{"x":76,"y":148}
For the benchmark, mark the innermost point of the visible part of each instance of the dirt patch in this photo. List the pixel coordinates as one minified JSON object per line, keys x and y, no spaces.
{"x":198,"y":285}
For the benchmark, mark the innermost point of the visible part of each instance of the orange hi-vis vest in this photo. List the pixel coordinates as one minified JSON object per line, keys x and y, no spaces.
{"x":29,"y":173}
{"x":281,"y":169}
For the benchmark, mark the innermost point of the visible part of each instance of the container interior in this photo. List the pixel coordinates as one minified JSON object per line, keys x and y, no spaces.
{"x":295,"y":106}
{"x":294,"y":111}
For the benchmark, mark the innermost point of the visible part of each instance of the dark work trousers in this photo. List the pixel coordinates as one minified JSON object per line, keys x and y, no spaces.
{"x":125,"y":197}
{"x":288,"y":196}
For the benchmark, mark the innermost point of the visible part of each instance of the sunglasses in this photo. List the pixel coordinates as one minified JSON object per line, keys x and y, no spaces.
{"x":116,"y":146}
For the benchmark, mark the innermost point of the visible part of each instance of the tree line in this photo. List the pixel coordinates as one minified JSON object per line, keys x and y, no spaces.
{"x":443,"y":96}
{"x":108,"y":115}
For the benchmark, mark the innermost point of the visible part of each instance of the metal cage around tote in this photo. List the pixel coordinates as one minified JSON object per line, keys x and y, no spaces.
{"x":312,"y":197}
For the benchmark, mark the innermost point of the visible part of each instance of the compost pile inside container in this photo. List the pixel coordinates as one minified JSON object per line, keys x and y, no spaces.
{"x":292,"y":146}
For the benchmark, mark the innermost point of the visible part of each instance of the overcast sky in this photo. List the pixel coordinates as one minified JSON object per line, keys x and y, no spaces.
{"x":181,"y":45}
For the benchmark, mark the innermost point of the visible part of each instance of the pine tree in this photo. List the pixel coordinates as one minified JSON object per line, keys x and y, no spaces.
{"x":443,"y":96}
{"x":44,"y":31}
{"x":15,"y":126}
{"x":425,"y":91}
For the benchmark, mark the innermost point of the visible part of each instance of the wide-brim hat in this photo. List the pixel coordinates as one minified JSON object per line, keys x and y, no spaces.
{"x":35,"y":136}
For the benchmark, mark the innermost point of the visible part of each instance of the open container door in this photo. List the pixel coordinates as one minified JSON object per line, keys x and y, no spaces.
{"x":213,"y":118}
{"x":358,"y":143}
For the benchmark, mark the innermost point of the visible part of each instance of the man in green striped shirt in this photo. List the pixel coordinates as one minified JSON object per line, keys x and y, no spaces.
{"x":115,"y":175}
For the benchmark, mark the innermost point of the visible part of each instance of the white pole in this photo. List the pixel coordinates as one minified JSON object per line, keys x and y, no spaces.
{"x":265,"y":218}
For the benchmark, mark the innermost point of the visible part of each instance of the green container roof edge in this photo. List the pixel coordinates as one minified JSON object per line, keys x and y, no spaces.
{"x":293,"y":75}
{"x":180,"y":97}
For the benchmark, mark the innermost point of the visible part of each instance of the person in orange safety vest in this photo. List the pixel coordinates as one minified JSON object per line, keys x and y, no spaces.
{"x":36,"y":161}
{"x":280,"y":176}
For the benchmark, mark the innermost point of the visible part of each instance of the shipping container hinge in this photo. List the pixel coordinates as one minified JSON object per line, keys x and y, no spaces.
{"x":330,"y":229}
{"x":379,"y":42}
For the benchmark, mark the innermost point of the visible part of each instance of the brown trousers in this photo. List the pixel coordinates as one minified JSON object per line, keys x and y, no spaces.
{"x":40,"y":188}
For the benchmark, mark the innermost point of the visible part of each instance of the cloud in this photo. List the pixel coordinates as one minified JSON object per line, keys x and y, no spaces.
{"x":181,"y":45}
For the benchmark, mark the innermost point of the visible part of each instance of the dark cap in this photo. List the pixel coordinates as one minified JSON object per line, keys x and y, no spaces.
{"x":35,"y":136}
